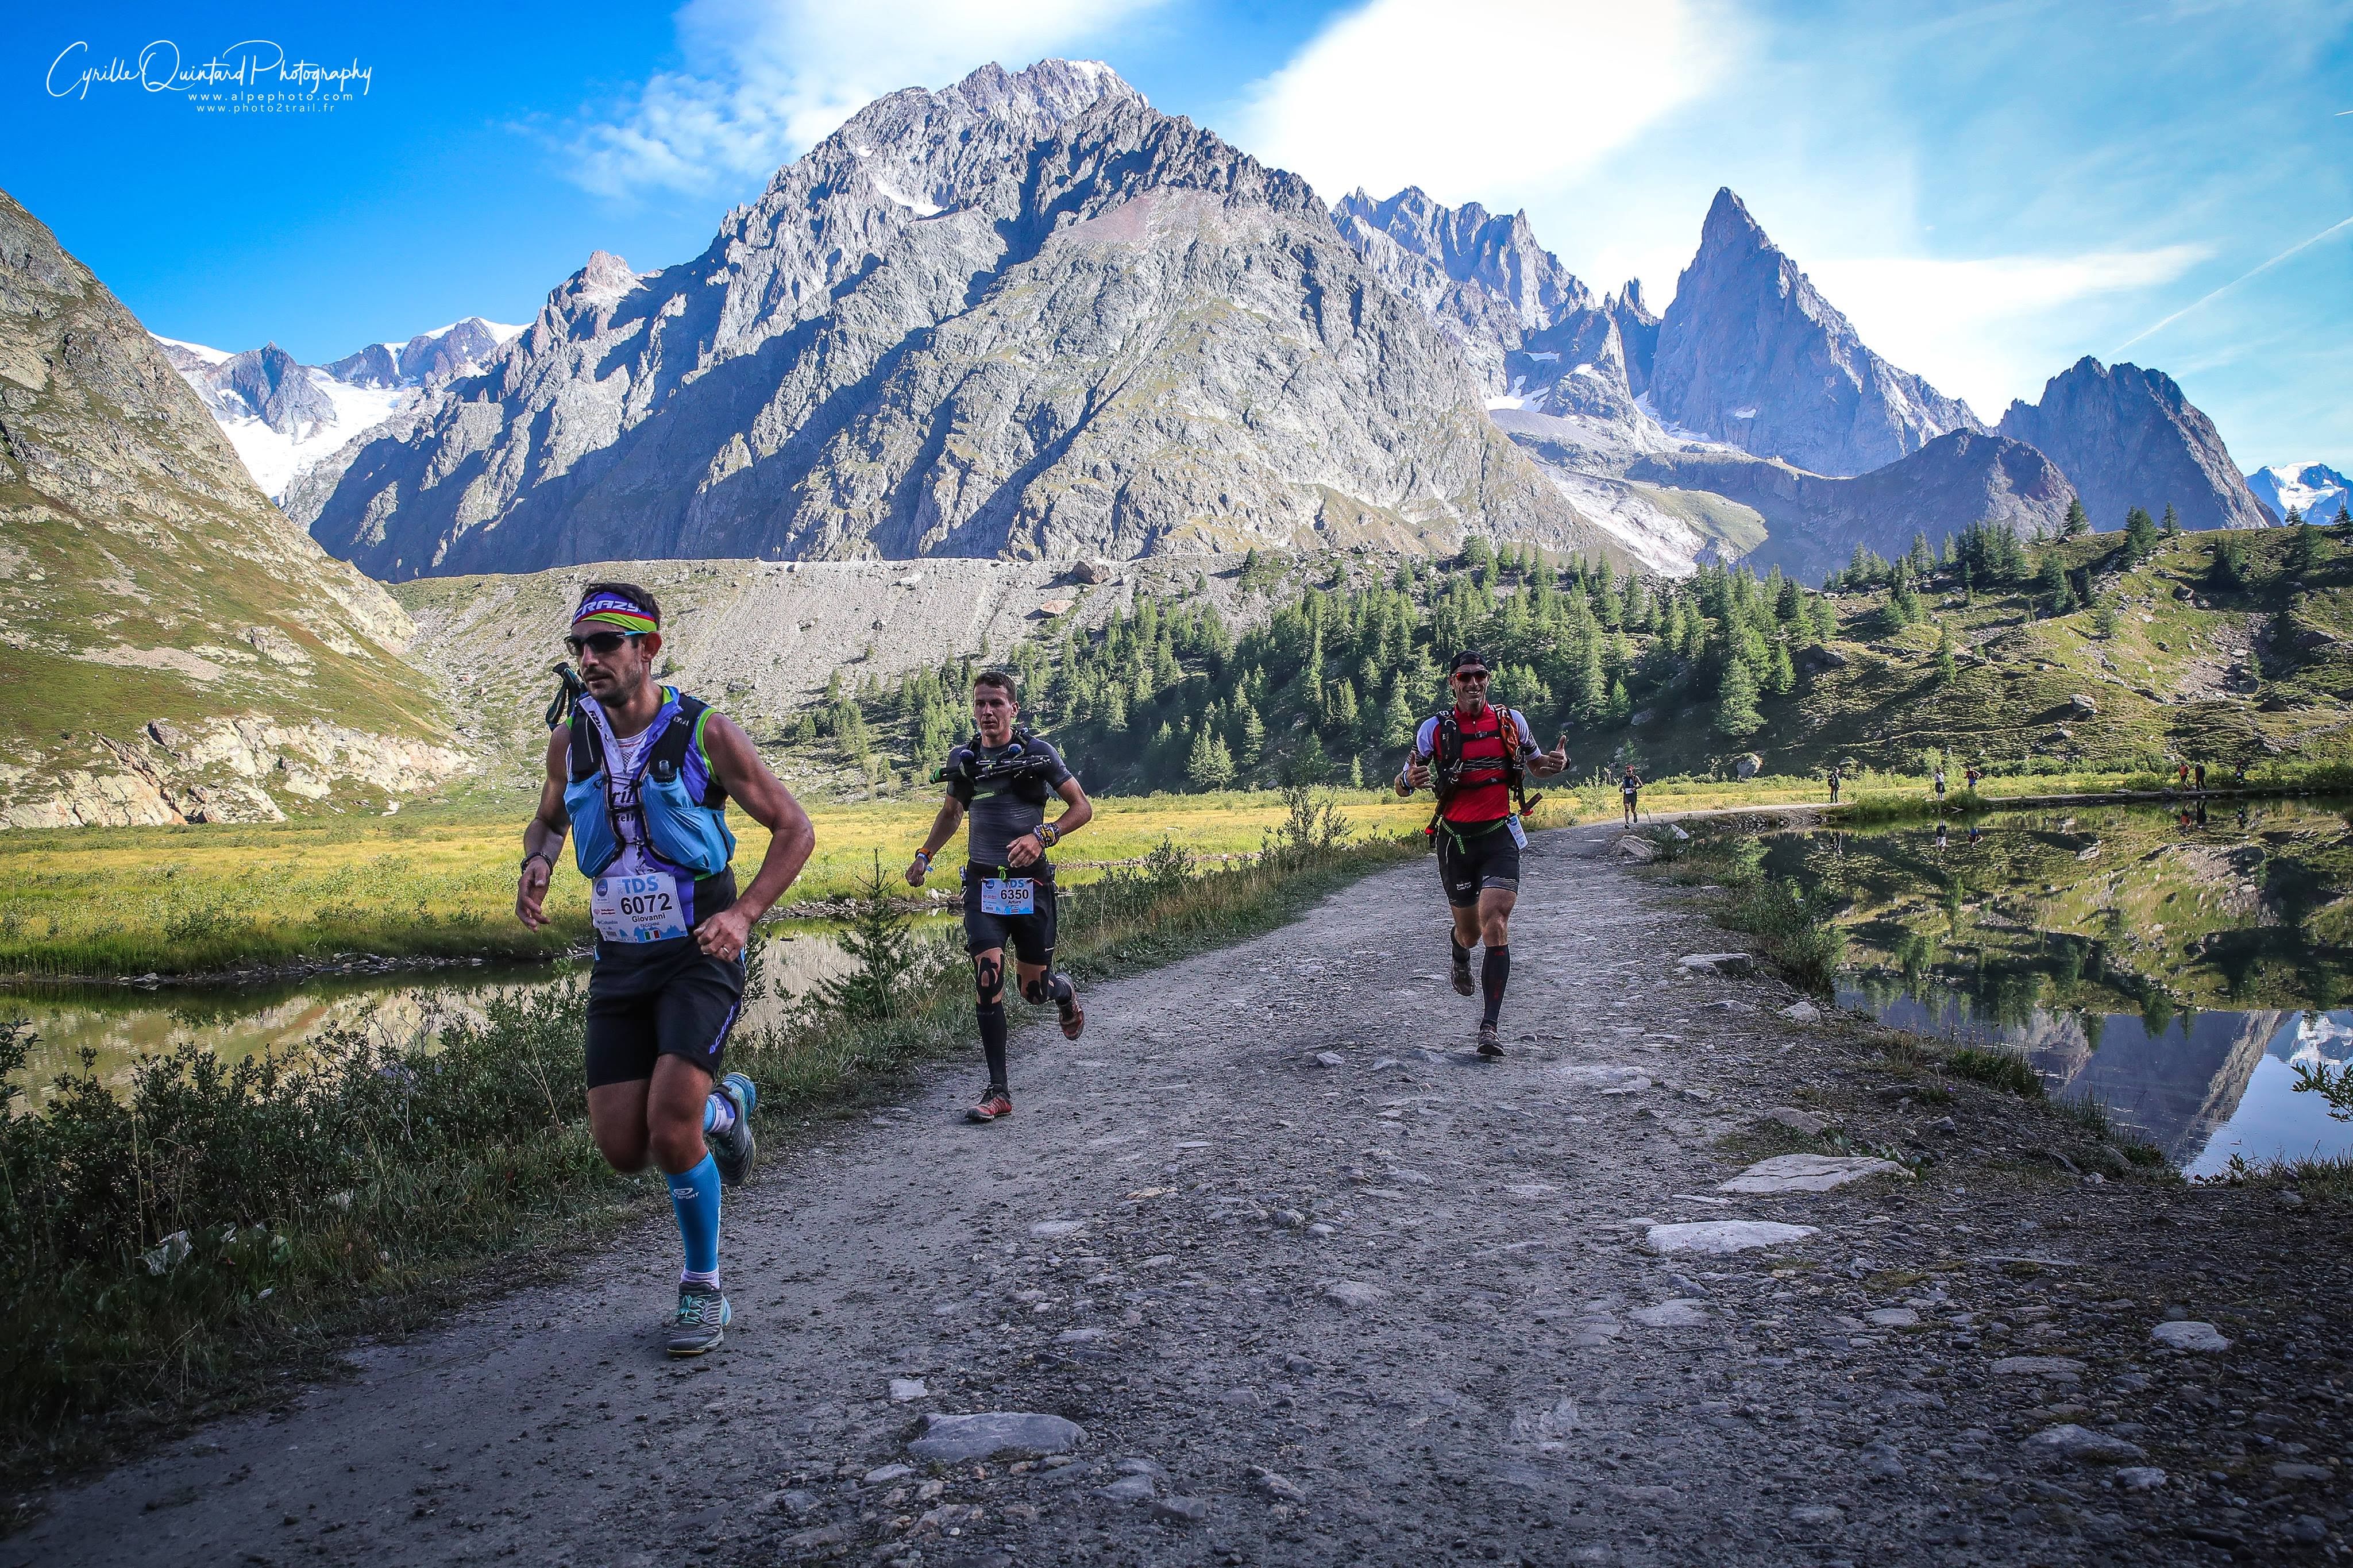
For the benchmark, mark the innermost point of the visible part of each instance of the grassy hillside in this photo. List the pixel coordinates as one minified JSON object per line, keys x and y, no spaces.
{"x":2222,"y":648}
{"x":175,"y":648}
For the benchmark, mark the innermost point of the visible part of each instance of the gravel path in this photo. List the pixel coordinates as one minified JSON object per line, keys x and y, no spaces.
{"x":1320,"y":1288}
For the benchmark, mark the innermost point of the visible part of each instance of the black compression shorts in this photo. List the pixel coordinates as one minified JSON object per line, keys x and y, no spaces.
{"x":1470,"y":865}
{"x":645,"y":1005}
{"x":1031,"y":936}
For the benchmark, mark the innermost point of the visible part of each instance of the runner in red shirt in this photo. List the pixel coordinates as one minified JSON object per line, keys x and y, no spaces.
{"x":1475,"y":756}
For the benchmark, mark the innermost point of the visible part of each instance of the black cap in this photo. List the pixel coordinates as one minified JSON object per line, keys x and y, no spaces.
{"x":1465,"y":656}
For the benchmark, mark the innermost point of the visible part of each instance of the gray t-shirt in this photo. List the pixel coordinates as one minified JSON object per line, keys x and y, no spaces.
{"x":999,"y":811}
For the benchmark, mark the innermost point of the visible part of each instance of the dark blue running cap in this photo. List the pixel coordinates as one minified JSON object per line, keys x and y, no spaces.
{"x":1465,"y":656}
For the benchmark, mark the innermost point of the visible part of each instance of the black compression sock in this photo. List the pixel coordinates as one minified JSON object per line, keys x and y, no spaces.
{"x":1494,"y":969}
{"x":992,"y":1039}
{"x":1065,"y":995}
{"x":1462,"y":953}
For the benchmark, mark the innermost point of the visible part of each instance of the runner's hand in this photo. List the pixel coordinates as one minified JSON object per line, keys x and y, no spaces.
{"x":915,"y":870}
{"x":530,"y":894}
{"x":1024,"y":850}
{"x":1416,"y":774}
{"x":724,"y":934}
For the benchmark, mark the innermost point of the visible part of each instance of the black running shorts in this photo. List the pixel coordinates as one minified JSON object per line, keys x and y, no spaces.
{"x":1030,"y":936}
{"x":1480,"y":861}
{"x":664,"y":999}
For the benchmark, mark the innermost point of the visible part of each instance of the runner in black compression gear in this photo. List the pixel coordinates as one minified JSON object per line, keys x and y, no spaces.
{"x":1004,"y":778}
{"x":640,"y":775}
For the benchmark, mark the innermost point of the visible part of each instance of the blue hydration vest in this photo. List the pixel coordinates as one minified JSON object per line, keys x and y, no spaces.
{"x":683,"y":806}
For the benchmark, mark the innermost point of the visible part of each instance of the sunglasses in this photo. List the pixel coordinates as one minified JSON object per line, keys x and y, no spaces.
{"x":604,"y":645}
{"x":1469,"y":675}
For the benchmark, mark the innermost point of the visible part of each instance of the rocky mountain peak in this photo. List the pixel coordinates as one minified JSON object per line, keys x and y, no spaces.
{"x":1027,"y":315}
{"x":1751,"y":352}
{"x":2126,"y":436}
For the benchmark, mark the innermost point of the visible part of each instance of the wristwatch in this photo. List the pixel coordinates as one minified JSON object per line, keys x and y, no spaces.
{"x":923,"y":859}
{"x":536,"y":855}
{"x":1048,"y":834}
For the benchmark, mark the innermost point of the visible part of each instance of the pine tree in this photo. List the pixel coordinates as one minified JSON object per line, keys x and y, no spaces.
{"x":1621,"y":706}
{"x":1781,"y":675}
{"x":1253,"y":732}
{"x":2140,"y":535}
{"x":2302,"y":549}
{"x":1210,"y":766}
{"x":2079,"y":521}
{"x":1588,"y":687}
{"x":1736,"y":712}
{"x":2173,"y":521}
{"x":1946,"y":671}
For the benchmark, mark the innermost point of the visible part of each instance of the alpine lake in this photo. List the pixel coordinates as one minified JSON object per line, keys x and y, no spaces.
{"x":2178,"y":965}
{"x":118,"y":1023}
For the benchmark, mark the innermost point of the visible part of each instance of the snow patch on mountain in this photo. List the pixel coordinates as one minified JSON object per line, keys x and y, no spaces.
{"x":2313,"y":490}
{"x":282,"y":418}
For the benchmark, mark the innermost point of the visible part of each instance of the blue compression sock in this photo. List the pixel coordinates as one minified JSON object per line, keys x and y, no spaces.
{"x":718,"y":1114}
{"x":695,"y":1197}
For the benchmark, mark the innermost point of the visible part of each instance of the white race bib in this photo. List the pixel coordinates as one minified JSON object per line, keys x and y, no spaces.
{"x":1009,"y":895}
{"x":1519,"y":834}
{"x":637,"y":906}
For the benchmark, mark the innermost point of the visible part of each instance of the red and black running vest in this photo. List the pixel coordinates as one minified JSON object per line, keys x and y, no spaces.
{"x":1478,"y":761}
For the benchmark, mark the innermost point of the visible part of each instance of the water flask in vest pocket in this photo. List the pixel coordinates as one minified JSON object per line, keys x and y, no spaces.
{"x":681,"y":829}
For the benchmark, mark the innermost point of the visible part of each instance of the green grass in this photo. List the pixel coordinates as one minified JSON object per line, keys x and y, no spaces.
{"x":439,"y":884}
{"x":1998,"y":1068}
{"x":357,"y":1188}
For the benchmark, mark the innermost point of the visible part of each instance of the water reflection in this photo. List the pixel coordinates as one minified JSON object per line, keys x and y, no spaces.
{"x":120,"y":1024}
{"x":2172,"y":962}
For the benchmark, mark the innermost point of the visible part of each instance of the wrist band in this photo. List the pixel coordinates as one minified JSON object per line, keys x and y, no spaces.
{"x":922,"y":858}
{"x":537,"y":854}
{"x":1048,"y":834}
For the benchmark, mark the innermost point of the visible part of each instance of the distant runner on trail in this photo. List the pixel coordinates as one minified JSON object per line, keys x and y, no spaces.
{"x":1630,"y":790}
{"x":639,"y":774}
{"x":1834,"y":783}
{"x":1476,"y":758}
{"x":1004,"y":776}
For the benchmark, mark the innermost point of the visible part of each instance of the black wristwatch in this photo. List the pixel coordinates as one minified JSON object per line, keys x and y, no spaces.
{"x":536,"y":855}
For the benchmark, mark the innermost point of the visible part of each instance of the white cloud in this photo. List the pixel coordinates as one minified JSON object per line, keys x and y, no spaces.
{"x":765,"y":79}
{"x":1982,"y":329}
{"x":1491,"y":101}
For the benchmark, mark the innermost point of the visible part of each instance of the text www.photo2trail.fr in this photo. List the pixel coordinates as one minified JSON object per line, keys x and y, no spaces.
{"x":1364,"y":783}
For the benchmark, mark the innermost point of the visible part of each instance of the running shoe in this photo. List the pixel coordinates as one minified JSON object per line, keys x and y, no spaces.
{"x":1462,"y":986}
{"x":1491,"y":1044}
{"x":995,"y":1101}
{"x":735,"y":1150}
{"x":1074,"y":1017}
{"x":701,"y":1321}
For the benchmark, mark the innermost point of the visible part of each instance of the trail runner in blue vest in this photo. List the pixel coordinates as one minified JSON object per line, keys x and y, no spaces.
{"x":1475,"y":756}
{"x":641,"y":774}
{"x":1004,"y":777}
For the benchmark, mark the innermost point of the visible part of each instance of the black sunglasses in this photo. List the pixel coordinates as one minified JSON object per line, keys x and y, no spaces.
{"x":1469,"y":675}
{"x":602,"y":644}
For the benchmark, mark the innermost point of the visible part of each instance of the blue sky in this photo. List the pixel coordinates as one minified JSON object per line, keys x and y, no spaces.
{"x":1989,"y":190}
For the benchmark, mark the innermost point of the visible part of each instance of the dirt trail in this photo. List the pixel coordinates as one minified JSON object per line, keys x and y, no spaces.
{"x":1395,"y":1310}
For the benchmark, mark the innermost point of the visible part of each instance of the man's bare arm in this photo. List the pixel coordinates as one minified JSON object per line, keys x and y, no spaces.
{"x":764,"y":799}
{"x":542,"y":836}
{"x":944,"y":824}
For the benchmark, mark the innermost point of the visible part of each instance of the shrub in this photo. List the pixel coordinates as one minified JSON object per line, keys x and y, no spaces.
{"x":1998,"y":1068}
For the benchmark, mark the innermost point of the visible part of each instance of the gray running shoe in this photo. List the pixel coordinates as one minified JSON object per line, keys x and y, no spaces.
{"x":701,"y":1321}
{"x":1491,"y":1044}
{"x":735,"y":1150}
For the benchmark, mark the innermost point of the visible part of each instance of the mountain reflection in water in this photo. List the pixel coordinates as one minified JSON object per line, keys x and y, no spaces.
{"x":2172,"y":968}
